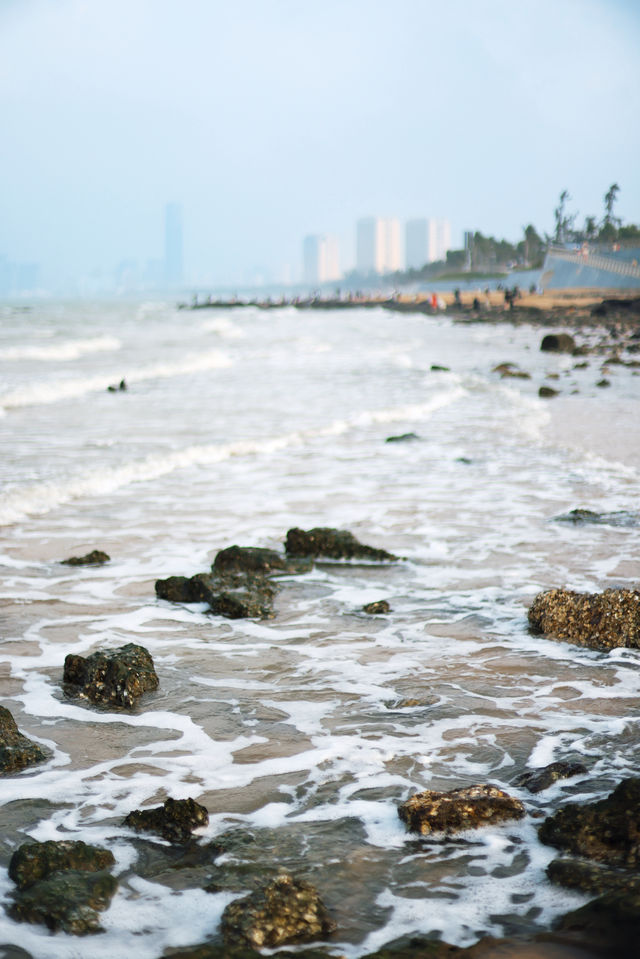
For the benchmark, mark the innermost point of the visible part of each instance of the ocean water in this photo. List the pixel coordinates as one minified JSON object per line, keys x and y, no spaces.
{"x":302,"y":734}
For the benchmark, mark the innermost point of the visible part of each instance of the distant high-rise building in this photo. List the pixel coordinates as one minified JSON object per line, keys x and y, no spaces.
{"x":416,"y":244}
{"x":438,"y":239}
{"x":173,"y":268}
{"x":378,"y":245}
{"x":320,"y":259}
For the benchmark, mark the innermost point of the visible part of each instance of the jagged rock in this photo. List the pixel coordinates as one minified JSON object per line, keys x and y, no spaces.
{"x":175,"y":820}
{"x":599,"y":620}
{"x":459,"y":809}
{"x":558,"y":343}
{"x":547,"y":392}
{"x":34,"y":861}
{"x":591,"y":877}
{"x":605,"y":831}
{"x":16,"y":751}
{"x":285,"y":910}
{"x":66,"y":901}
{"x":539,"y":779}
{"x":256,"y":559}
{"x":62,"y":884}
{"x":332,"y":544}
{"x":402,"y":438}
{"x":374,"y":609}
{"x":182,"y":589}
{"x":116,"y":677}
{"x":95,"y":558}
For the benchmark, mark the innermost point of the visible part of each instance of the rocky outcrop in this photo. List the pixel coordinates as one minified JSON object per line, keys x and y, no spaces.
{"x":115,"y":678}
{"x":63,"y":885}
{"x":606,"y":831}
{"x":285,"y":910}
{"x":16,"y":751}
{"x":539,"y":779}
{"x":558,"y":343}
{"x":95,"y":558}
{"x":599,"y":620}
{"x":332,"y":544}
{"x":459,"y":809}
{"x":175,"y":820}
{"x":256,"y":559}
{"x":376,"y":609}
{"x":234,"y":595}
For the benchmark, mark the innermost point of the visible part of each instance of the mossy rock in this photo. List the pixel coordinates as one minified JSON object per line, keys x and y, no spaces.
{"x":332,"y":544}
{"x":34,"y":861}
{"x":175,"y":820}
{"x":115,"y":678}
{"x":16,"y":751}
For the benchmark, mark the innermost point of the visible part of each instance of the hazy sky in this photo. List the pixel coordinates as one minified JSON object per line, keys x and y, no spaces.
{"x":270,"y":119}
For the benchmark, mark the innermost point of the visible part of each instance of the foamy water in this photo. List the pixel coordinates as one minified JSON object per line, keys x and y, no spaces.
{"x":302,"y":734}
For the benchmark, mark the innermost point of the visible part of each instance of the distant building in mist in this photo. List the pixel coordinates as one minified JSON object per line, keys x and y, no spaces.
{"x":320,"y":259}
{"x":18,"y":277}
{"x":173,"y":266}
{"x":427,"y":240}
{"x":378,"y":245}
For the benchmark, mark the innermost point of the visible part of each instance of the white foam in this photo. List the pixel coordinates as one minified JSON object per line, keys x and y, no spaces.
{"x":57,"y":352}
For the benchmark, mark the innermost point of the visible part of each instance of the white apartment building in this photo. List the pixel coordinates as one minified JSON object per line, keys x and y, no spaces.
{"x":378,"y":245}
{"x":427,"y":240}
{"x":320,"y":259}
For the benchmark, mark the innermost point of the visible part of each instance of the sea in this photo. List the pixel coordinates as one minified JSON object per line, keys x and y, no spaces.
{"x":303,"y":733}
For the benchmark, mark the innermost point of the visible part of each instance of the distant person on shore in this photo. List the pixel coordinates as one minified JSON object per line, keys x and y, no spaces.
{"x":456,"y":297}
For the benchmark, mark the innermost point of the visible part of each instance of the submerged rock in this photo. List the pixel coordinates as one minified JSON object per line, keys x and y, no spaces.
{"x":16,"y":751}
{"x":591,"y":877}
{"x":539,"y":779}
{"x":402,"y":438}
{"x":459,"y":809}
{"x":375,"y":609}
{"x":584,"y":517}
{"x":558,"y":343}
{"x":599,"y":620}
{"x":116,"y":677}
{"x":332,"y":544}
{"x":285,"y":910}
{"x":95,"y":558}
{"x":605,"y":831}
{"x":610,"y":924}
{"x":175,"y":820}
{"x":547,"y":392}
{"x":62,"y":884}
{"x":256,"y":559}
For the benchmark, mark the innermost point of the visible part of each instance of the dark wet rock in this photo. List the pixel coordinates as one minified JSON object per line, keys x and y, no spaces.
{"x":539,"y":779}
{"x":95,"y":558}
{"x":603,"y":383}
{"x":581,"y":517}
{"x":285,"y":910}
{"x":16,"y":751}
{"x":374,"y":609}
{"x":212,"y":950}
{"x":459,"y":809}
{"x":182,"y":589}
{"x":175,"y":820}
{"x":605,"y":831}
{"x":436,"y":368}
{"x":547,"y":392}
{"x":255,"y":559}
{"x":332,"y":544}
{"x":558,"y":343}
{"x":402,"y":438}
{"x":591,"y":878}
{"x":609,"y":924}
{"x":507,"y":370}
{"x":116,"y":677}
{"x":66,"y":901}
{"x":34,"y":861}
{"x":599,"y":620}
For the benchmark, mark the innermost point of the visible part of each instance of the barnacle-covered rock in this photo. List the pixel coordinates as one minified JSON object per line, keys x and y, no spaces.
{"x":332,"y":544}
{"x":175,"y":820}
{"x":599,"y":620}
{"x":34,"y":861}
{"x":538,"y":779}
{"x":117,"y":677}
{"x":16,"y":751}
{"x":459,"y":809}
{"x":285,"y":910}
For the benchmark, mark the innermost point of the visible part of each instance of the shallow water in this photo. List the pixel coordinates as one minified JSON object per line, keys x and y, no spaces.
{"x":302,"y":734}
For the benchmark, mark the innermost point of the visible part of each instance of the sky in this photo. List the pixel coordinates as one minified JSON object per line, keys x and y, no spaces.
{"x":267,"y":120}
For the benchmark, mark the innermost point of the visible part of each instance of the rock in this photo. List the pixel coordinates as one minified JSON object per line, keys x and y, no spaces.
{"x":558,"y":343}
{"x":539,"y":779}
{"x":182,"y":589}
{"x":285,"y":910}
{"x":603,"y":383}
{"x":332,"y":544}
{"x":255,"y":559}
{"x":402,"y":438}
{"x":67,"y":902}
{"x":62,"y":884}
{"x":459,"y":809}
{"x":34,"y":861}
{"x":116,"y":677}
{"x":547,"y":392}
{"x":610,"y":924}
{"x":436,"y":368}
{"x":605,"y":831}
{"x":599,"y":620}
{"x":16,"y":751}
{"x":95,"y":558}
{"x":511,"y":370}
{"x":591,"y":877}
{"x":374,"y":609}
{"x":213,"y":950}
{"x":581,"y":517}
{"x":175,"y":820}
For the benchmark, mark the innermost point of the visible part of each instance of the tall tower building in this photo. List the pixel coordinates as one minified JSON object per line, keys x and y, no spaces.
{"x":320,"y":259}
{"x":438,"y":239}
{"x":173,"y":267}
{"x":416,"y":244}
{"x":378,"y":245}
